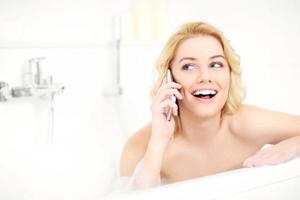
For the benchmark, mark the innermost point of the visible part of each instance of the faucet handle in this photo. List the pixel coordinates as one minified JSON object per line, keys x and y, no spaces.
{"x":36,"y":59}
{"x":4,"y":91}
{"x":48,"y":80}
{"x":36,"y":69}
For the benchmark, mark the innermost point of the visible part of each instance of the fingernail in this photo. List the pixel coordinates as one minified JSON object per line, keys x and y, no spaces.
{"x":246,"y":165}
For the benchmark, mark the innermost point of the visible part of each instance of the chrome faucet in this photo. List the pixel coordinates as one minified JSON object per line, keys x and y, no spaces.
{"x":34,"y":84}
{"x":4,"y":92}
{"x":35,"y":71}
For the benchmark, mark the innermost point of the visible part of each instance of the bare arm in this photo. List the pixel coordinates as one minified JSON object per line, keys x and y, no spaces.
{"x":265,"y":126}
{"x":262,"y":126}
{"x":158,"y":134}
{"x":142,"y":147}
{"x":134,"y":151}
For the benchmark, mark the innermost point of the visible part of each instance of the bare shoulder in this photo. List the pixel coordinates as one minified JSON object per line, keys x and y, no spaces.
{"x":247,"y":111}
{"x":263,"y":126}
{"x":243,"y":114}
{"x":134,"y":150}
{"x":246,"y":120}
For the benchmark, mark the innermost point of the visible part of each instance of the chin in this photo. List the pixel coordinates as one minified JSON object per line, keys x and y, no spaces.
{"x":207,"y":111}
{"x":204,"y":110}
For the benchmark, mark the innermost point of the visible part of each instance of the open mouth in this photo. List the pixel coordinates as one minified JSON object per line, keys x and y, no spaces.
{"x":205,"y":94}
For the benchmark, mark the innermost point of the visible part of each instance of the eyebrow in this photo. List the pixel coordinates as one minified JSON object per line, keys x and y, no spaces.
{"x":193,"y":59}
{"x":217,"y":56}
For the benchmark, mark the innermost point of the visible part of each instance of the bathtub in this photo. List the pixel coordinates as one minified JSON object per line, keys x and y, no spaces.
{"x":270,"y":182}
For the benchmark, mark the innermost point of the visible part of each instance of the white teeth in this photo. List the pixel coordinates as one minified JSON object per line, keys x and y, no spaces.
{"x":205,"y":92}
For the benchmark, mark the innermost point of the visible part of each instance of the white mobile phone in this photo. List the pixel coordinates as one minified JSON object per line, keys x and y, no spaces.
{"x":173,"y":97}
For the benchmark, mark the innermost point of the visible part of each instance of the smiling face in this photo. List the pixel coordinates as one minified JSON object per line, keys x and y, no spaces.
{"x":200,"y":67}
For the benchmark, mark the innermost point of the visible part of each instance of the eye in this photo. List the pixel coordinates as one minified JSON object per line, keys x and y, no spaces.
{"x":188,"y":66}
{"x":216,"y":65}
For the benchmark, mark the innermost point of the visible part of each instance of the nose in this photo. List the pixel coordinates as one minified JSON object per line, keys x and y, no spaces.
{"x":204,"y":76}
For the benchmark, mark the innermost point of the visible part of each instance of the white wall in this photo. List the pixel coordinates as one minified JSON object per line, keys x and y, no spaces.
{"x":265,"y":35}
{"x":90,"y":128}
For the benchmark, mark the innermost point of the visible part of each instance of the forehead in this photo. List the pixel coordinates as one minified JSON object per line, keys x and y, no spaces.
{"x":199,"y":47}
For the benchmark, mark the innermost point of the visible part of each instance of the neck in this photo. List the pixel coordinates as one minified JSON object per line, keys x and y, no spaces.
{"x":199,"y":129}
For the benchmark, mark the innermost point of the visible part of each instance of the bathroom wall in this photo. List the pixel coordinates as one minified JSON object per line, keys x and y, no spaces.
{"x":264,"y":34}
{"x":91,"y":127}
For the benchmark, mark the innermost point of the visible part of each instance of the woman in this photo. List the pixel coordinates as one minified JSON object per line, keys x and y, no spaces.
{"x":210,"y":131}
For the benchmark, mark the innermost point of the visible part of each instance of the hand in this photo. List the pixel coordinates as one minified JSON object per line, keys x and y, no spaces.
{"x":162,"y":129}
{"x":272,"y":155}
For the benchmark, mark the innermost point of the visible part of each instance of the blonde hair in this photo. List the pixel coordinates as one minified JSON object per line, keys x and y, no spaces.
{"x":236,"y":92}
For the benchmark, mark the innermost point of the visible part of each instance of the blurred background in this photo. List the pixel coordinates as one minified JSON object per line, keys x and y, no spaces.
{"x":103,"y":53}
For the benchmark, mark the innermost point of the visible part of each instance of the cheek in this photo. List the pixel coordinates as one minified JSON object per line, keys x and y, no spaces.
{"x":224,"y":79}
{"x":226,"y":87}
{"x":227,"y":83}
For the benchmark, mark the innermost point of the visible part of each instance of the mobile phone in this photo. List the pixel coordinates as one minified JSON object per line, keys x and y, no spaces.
{"x":173,"y":97}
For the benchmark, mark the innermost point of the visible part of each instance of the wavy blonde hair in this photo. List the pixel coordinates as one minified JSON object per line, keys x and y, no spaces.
{"x":189,"y":30}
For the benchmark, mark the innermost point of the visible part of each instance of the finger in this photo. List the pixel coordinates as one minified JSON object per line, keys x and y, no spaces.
{"x":248,"y":162}
{"x":251,"y":162}
{"x":275,"y":159}
{"x":259,"y":162}
{"x":167,"y":105}
{"x":261,"y":155}
{"x":169,"y":85}
{"x":166,"y":94}
{"x":173,"y":110}
{"x":163,"y":106}
{"x":267,"y":161}
{"x":262,"y":159}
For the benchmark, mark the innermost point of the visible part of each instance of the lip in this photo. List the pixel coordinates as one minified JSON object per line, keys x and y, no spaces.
{"x":204,"y":101}
{"x":207,"y":88}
